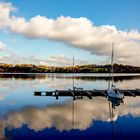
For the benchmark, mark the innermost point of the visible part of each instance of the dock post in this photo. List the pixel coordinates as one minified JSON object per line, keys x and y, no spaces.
{"x":56,"y":94}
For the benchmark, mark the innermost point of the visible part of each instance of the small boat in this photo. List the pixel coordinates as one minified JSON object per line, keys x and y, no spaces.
{"x":112,"y":91}
{"x":115,"y":93}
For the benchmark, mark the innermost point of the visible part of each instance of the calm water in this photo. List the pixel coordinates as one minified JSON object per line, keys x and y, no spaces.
{"x":24,"y":116}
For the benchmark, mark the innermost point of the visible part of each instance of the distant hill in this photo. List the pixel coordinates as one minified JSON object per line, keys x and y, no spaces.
{"x":90,"y":68}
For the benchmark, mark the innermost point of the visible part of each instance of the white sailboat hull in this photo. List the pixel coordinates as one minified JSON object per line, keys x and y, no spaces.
{"x":113,"y":94}
{"x":112,"y":91}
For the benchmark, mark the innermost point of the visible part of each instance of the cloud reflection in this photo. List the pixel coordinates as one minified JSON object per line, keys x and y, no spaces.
{"x":60,"y":116}
{"x":61,"y":81}
{"x":2,"y":96}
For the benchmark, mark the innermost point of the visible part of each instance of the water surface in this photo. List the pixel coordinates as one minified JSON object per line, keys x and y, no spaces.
{"x":25,"y":116}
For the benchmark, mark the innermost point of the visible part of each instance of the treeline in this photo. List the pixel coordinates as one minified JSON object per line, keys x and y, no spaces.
{"x":91,"y":68}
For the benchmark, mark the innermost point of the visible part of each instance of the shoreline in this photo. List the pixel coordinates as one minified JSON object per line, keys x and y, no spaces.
{"x":76,"y":74}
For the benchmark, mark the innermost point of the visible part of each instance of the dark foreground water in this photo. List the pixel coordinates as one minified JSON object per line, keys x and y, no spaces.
{"x":25,"y":117}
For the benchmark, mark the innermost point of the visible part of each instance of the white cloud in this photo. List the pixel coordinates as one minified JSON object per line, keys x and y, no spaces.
{"x":2,"y":46}
{"x":5,"y":9}
{"x":79,"y":33}
{"x":61,"y":60}
{"x":58,"y":60}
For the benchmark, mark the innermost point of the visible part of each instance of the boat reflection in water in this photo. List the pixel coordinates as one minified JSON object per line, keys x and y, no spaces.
{"x":80,"y":119}
{"x":115,"y":102}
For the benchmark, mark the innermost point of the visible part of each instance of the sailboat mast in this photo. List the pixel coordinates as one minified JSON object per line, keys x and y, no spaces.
{"x":112,"y":57}
{"x":73,"y":73}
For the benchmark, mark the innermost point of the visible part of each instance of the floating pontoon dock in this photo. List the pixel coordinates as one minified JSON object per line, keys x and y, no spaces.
{"x":79,"y":93}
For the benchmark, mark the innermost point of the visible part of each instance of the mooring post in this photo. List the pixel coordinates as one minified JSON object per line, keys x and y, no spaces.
{"x":56,"y":94}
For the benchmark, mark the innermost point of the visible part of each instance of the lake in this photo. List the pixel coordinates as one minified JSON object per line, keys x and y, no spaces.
{"x":25,"y":116}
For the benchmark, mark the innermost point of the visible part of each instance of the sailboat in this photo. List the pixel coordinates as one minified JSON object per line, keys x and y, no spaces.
{"x":112,"y":91}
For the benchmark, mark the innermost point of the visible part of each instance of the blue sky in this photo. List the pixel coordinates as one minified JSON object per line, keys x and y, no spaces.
{"x":116,"y":15}
{"x":124,"y":14}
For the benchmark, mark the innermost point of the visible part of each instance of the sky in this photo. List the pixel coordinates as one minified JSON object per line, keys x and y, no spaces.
{"x":51,"y":32}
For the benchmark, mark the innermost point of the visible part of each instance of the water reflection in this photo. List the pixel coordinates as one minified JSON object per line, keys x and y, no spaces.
{"x":86,"y":113}
{"x":78,"y":76}
{"x":64,"y":81}
{"x":21,"y":112}
{"x":115,"y":102}
{"x":22,"y":76}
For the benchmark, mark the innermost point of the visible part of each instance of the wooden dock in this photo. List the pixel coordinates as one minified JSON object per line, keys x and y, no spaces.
{"x":79,"y":93}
